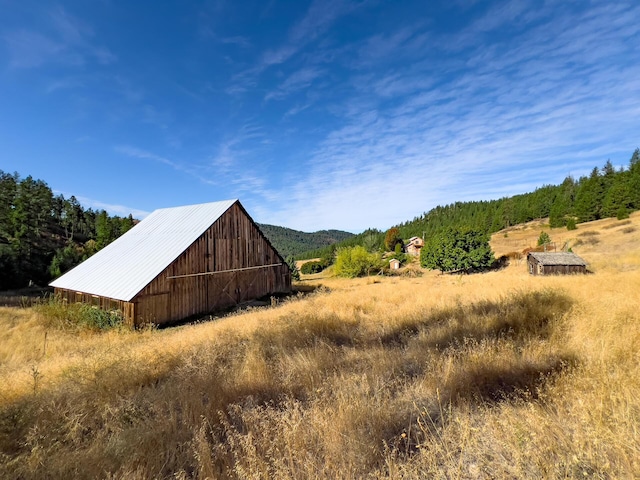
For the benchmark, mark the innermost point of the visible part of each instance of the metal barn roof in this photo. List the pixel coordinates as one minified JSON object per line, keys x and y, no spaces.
{"x":559,"y":258}
{"x":127,"y":265}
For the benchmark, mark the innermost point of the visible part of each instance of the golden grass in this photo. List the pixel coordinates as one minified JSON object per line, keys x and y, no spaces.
{"x":496,"y":375}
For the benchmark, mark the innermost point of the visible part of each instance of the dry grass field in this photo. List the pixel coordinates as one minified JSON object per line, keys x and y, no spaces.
{"x":495,"y":375}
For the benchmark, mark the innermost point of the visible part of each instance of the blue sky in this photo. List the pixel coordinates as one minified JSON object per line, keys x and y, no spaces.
{"x":317,"y":114}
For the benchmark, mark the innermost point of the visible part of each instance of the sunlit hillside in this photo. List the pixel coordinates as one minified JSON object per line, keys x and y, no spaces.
{"x":495,"y":375}
{"x":608,"y":244}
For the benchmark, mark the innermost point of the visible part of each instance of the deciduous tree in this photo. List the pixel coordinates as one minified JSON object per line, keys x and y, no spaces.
{"x":457,"y":250}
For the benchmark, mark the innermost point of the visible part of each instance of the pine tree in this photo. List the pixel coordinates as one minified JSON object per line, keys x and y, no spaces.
{"x":618,"y":196}
{"x":634,"y":179}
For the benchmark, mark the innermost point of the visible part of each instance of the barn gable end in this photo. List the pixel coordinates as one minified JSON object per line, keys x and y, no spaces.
{"x":229,"y":262}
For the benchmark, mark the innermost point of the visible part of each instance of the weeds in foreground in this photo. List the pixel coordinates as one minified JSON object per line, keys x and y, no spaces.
{"x":452,"y":388}
{"x":54,"y":312}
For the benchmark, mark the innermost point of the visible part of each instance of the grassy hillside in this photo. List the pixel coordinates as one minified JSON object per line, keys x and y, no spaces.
{"x":293,"y":242}
{"x":496,"y":375}
{"x":605,"y":193}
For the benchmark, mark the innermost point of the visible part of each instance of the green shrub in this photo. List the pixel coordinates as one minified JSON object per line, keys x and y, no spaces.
{"x":312,"y":267}
{"x":544,"y":238}
{"x":571,"y":224}
{"x":57,"y":313}
{"x":622,"y":213}
{"x":355,"y":261}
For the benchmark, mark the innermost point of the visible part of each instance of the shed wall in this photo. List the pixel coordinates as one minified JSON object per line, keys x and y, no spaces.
{"x":536,"y":268}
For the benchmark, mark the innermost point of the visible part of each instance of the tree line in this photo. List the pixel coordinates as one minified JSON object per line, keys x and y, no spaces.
{"x":605,"y":192}
{"x":42,"y":235}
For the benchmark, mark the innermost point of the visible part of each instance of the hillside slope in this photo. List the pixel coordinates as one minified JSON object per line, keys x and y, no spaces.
{"x":293,"y":242}
{"x":607,"y":244}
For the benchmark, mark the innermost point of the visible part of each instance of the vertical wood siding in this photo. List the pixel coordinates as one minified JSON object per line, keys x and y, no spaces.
{"x":232,"y":242}
{"x":127,"y":309}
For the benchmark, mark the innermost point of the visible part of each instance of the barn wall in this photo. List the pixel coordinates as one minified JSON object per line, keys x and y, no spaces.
{"x":127,"y":309}
{"x":563,"y":269}
{"x":233,"y":242}
{"x":532,"y":265}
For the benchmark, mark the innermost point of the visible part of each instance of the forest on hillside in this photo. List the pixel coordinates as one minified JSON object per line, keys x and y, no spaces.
{"x":605,"y":192}
{"x":291,"y":242}
{"x":43,"y":235}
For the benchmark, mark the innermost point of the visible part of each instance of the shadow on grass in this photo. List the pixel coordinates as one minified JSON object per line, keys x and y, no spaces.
{"x":492,"y":383}
{"x":521,"y":316}
{"x":298,"y":292}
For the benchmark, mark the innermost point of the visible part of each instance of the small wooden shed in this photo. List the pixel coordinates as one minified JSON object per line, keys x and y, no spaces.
{"x":180,"y":262}
{"x":549,"y":263}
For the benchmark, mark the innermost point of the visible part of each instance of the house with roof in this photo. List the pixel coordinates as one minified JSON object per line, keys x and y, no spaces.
{"x":178,"y":263}
{"x":549,"y":263}
{"x":413,"y":246}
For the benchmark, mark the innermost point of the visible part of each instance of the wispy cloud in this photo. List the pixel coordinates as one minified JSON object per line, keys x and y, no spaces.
{"x":297,"y":81}
{"x":135,"y":152}
{"x":113,"y":209}
{"x":318,"y":19}
{"x":550,"y":103}
{"x":237,"y":40}
{"x":66,"y":40}
{"x":64,"y":84}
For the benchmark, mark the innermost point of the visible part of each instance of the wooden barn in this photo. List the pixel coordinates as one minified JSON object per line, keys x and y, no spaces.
{"x":178,"y":263}
{"x":549,"y":263}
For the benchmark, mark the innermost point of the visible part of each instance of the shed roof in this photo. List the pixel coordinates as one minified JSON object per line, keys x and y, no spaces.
{"x":558,"y":258}
{"x":128,"y":264}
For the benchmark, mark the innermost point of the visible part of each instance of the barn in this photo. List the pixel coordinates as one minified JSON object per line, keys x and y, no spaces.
{"x":180,"y":262}
{"x":549,"y":263}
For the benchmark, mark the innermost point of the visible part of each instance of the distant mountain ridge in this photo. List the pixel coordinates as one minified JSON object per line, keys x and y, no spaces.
{"x":291,"y":242}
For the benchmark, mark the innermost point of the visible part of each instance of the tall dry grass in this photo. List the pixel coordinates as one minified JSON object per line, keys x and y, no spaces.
{"x":499,"y":375}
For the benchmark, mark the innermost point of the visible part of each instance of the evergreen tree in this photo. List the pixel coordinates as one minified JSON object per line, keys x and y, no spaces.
{"x":104,"y":229}
{"x":295,"y":273}
{"x":40,"y":234}
{"x":544,"y":239}
{"x":589,"y":197}
{"x":634,"y":179}
{"x":31,"y":219}
{"x":562,"y":204}
{"x":618,"y":197}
